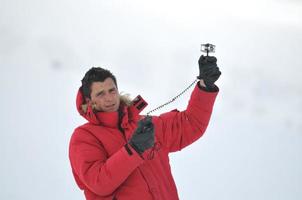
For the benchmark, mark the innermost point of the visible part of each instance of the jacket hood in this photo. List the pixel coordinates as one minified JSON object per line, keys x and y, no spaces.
{"x":132,"y":108}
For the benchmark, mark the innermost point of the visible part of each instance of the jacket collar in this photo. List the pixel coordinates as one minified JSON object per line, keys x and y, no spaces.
{"x":111,"y":119}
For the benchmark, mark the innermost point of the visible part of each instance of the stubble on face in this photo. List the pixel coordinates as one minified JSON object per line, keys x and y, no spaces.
{"x":105,"y":96}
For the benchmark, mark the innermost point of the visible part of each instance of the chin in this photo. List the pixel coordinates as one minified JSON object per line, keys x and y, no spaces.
{"x":114,"y":109}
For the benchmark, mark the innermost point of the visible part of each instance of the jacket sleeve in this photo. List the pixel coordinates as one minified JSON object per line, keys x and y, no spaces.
{"x":176,"y":130}
{"x":94,"y":169}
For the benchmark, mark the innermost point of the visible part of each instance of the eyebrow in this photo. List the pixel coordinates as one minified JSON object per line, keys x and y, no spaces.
{"x":100,"y":92}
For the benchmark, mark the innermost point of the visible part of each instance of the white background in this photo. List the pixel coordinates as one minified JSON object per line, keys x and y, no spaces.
{"x":252,"y":148}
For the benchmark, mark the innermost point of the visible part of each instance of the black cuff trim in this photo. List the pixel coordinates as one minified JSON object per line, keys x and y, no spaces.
{"x":128,"y":150}
{"x":208,"y":89}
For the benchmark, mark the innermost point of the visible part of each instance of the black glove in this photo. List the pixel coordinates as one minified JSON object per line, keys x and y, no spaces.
{"x":208,"y":70}
{"x":143,"y":137}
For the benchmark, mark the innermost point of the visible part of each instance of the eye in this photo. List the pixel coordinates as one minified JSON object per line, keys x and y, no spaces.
{"x":112,"y":91}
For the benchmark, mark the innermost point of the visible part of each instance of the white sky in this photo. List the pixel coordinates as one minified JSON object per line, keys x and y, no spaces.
{"x":253,"y":145}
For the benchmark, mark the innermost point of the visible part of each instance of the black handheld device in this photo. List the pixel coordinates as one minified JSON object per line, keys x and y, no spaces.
{"x":207,"y":48}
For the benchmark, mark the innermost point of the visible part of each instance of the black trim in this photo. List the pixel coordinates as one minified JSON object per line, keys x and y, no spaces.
{"x":128,"y":150}
{"x":214,"y":88}
{"x":141,"y":106}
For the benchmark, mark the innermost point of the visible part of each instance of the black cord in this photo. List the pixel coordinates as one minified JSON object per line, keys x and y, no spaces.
{"x":173,"y":99}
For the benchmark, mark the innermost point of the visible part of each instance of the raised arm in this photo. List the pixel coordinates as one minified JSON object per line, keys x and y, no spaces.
{"x":176,"y":130}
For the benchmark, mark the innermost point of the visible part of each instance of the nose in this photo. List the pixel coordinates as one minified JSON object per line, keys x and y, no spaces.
{"x":108,"y":98}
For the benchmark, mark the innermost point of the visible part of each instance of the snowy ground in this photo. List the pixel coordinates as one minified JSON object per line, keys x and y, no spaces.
{"x":253,"y":145}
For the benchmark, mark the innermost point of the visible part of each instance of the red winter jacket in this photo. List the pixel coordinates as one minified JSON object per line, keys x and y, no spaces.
{"x":106,"y":169}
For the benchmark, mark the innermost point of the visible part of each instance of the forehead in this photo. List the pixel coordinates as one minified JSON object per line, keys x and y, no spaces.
{"x":99,"y":86}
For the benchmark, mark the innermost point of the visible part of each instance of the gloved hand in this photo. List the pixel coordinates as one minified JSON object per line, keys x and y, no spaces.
{"x":143,"y":137}
{"x":208,"y":70}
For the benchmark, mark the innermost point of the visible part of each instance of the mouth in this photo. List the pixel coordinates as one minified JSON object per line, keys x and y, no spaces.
{"x":110,"y":106}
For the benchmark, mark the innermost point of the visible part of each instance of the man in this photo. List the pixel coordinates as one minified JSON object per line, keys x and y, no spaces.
{"x":122,"y":155}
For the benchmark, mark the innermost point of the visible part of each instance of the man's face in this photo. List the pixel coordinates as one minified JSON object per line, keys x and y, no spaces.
{"x":105,"y":96}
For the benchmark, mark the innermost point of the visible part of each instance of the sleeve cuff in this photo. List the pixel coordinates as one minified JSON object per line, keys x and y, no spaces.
{"x":208,"y":89}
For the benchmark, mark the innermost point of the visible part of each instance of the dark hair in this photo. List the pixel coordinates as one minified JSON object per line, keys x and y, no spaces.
{"x":95,"y":74}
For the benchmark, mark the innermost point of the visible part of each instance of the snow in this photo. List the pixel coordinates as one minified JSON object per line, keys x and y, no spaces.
{"x":252,"y":148}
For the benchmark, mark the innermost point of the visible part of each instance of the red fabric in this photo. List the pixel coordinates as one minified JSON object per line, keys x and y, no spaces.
{"x":104,"y":169}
